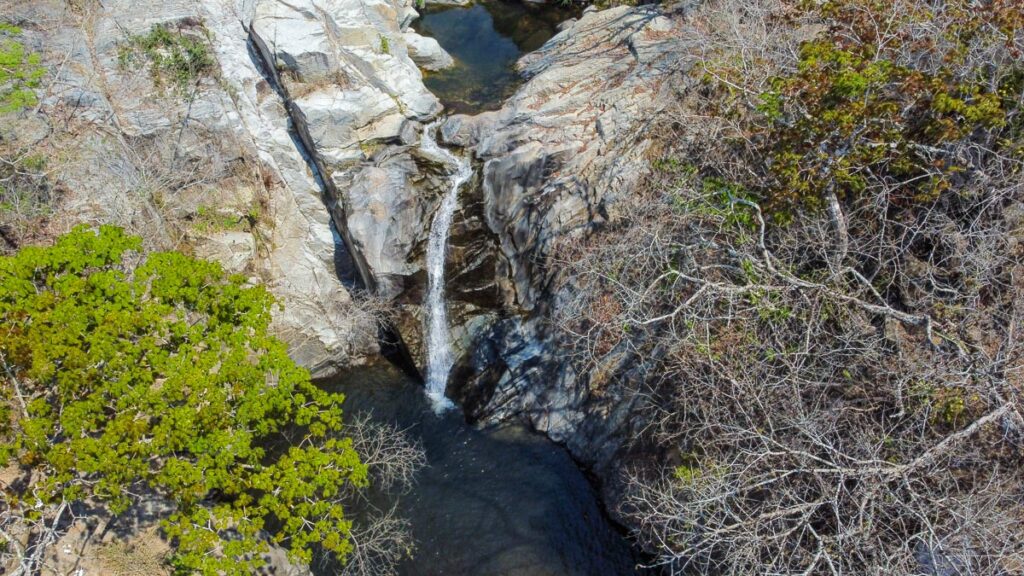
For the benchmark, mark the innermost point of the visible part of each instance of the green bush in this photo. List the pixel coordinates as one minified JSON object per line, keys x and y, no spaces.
{"x":869,"y":108}
{"x":173,"y":57}
{"x":20,"y":72}
{"x":125,"y":375}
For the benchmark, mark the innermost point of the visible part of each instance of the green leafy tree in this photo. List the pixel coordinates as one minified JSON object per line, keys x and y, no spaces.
{"x":20,"y":72}
{"x":126,"y":376}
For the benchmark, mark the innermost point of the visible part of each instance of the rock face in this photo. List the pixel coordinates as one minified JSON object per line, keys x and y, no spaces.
{"x":213,"y":166}
{"x":554,"y":159}
{"x":358,"y":103}
{"x":346,"y":68}
{"x":571,"y":140}
{"x":552,"y":163}
{"x":340,"y":79}
{"x":314,"y":110}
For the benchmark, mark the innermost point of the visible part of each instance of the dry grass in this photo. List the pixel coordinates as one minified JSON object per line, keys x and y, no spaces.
{"x":142,"y":555}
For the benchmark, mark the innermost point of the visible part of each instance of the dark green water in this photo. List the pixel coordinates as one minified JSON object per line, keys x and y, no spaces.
{"x":500,"y":502}
{"x":485,"y":40}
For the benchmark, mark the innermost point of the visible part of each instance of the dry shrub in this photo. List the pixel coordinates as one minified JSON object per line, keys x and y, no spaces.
{"x":840,"y":380}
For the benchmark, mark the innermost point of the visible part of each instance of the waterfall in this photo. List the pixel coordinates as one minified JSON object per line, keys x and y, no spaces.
{"x":439,"y":354}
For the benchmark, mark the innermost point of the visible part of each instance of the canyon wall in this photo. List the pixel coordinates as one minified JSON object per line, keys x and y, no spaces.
{"x":554,"y":161}
{"x":324,"y":101}
{"x":312,"y":109}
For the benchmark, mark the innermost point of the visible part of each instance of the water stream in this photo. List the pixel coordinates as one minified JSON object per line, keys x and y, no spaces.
{"x":502,"y":501}
{"x":439,"y":354}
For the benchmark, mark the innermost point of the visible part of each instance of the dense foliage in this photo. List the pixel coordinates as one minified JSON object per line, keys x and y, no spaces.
{"x":25,"y":192}
{"x":20,"y":71}
{"x":128,"y":378}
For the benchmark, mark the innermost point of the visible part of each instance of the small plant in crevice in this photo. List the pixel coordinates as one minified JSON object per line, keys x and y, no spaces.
{"x":175,"y":58}
{"x":27,"y":194}
{"x":20,"y":72}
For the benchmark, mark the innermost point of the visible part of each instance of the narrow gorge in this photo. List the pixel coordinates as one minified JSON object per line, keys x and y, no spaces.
{"x":372,"y":197}
{"x":511,"y":287}
{"x":399,"y":200}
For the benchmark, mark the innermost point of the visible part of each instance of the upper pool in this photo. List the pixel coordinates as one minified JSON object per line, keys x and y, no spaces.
{"x":485,"y":39}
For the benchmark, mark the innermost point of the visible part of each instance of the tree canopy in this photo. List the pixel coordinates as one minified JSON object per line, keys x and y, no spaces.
{"x":127,"y":376}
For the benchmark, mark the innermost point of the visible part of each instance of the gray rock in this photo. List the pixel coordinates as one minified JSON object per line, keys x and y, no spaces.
{"x":572,"y":138}
{"x":357,"y":105}
{"x":235,"y":250}
{"x":554,"y":160}
{"x":125,"y":136}
{"x":353,"y":91}
{"x":385,"y":217}
{"x":407,"y":17}
{"x":426,"y":52}
{"x":345,"y":62}
{"x":24,"y":129}
{"x":409,"y":134}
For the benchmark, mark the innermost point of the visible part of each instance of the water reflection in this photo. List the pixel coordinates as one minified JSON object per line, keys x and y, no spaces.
{"x":485,"y":39}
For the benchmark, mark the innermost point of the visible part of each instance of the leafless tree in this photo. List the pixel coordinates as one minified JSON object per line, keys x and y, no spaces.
{"x":837,"y":394}
{"x":391,"y":455}
{"x":378,"y":545}
{"x":381,"y":537}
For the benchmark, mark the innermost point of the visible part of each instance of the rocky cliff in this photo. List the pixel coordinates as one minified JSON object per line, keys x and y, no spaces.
{"x":308,"y":108}
{"x":551,"y":165}
{"x":306,"y":132}
{"x":554,"y":160}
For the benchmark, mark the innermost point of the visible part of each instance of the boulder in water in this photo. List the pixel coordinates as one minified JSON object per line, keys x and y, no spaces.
{"x":427,"y":52}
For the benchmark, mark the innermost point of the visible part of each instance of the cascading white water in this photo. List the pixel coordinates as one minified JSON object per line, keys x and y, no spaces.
{"x":439,"y":354}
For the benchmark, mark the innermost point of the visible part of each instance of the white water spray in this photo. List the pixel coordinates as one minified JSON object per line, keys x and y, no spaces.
{"x":439,"y":354}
